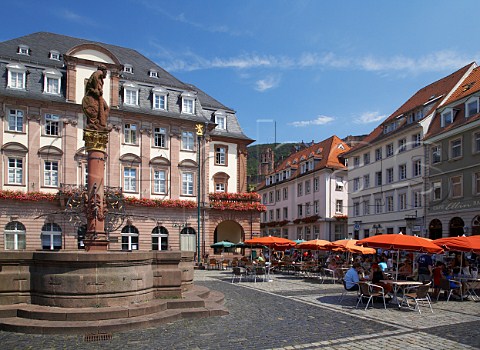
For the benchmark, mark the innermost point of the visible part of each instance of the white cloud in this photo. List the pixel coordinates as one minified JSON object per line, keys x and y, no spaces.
{"x":268,"y":83}
{"x":369,"y":117}
{"x":74,"y":17}
{"x":321,"y":120}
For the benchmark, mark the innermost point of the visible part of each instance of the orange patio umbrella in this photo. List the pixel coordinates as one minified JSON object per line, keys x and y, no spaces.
{"x":398,"y":241}
{"x":460,"y":244}
{"x":272,"y":242}
{"x":315,"y":244}
{"x":350,"y":245}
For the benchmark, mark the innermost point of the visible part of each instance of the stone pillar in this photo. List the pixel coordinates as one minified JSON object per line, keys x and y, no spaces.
{"x":95,"y":144}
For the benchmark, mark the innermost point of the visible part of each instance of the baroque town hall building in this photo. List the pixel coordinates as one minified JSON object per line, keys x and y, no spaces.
{"x":153,"y":152}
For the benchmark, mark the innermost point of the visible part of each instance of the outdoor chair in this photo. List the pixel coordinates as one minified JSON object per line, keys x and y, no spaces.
{"x":212,"y":264}
{"x":238,"y":273}
{"x":260,"y":273}
{"x":330,"y":274}
{"x":346,"y":291}
{"x":370,"y":291}
{"x":446,"y":287}
{"x":418,"y":294}
{"x":472,"y":286}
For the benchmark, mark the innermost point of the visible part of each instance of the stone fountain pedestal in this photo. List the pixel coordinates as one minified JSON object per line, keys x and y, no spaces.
{"x":99,"y":292}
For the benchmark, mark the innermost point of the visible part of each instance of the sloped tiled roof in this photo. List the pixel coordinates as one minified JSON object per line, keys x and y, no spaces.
{"x":436,"y":91}
{"x":469,"y":86}
{"x":326,"y":151}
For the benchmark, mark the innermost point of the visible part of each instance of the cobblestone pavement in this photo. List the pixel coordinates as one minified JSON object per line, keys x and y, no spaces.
{"x":289,"y":313}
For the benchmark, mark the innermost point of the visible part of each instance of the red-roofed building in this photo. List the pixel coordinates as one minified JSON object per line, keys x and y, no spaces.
{"x":453,"y":154}
{"x":386,"y":170}
{"x":306,"y":194}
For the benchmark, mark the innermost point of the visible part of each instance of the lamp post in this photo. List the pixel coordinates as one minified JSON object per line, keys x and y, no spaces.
{"x":200,"y":132}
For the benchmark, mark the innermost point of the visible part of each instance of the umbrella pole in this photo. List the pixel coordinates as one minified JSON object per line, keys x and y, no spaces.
{"x":398,"y":261}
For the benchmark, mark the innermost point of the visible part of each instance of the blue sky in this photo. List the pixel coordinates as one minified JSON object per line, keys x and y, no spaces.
{"x":315,"y":68}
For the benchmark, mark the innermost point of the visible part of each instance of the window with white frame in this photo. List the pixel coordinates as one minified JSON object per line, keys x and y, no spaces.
{"x":378,"y":178}
{"x":52,"y":81}
{"x":402,"y":145}
{"x":416,"y":140}
{"x":389,"y":150}
{"x":129,"y":179}
{"x":299,"y":189}
{"x":270,"y":215}
{"x":52,"y":123}
{"x":389,"y":203}
{"x":417,"y":199}
{"x":299,"y":210}
{"x":15,"y":120}
{"x":356,"y":208}
{"x":16,"y":78}
{"x":130,"y":133}
{"x":220,"y":120}
{"x":315,"y":207}
{"x":160,"y":181}
{"x":446,"y":117}
{"x":188,"y":103}
{"x":129,"y":238}
{"x":402,"y":201}
{"x":476,"y":142}
{"x":456,"y":184}
{"x":277,"y":214}
{"x":402,"y":171}
{"x":188,"y":141}
{"x":160,"y":137}
{"x":153,"y":73}
{"x":54,"y":55}
{"x":187,"y":183}
{"x":366,"y":158}
{"x":436,"y":154}
{"x":277,"y":196}
{"x":366,"y":207}
{"x":307,"y":187}
{"x":471,"y":107}
{"x":50,"y":173}
{"x":417,"y":167}
{"x":356,"y":162}
{"x":51,"y":236}
{"x":160,"y":238}
{"x":356,"y":184}
{"x":285,"y":193}
{"x":220,"y":155}
{"x":220,"y":187}
{"x":23,"y":50}
{"x":285,"y":213}
{"x":307,"y":208}
{"x":436,"y":190}
{"x":130,"y":94}
{"x":476,"y":183}
{"x":265,"y":198}
{"x":339,"y":184}
{"x":160,"y":98}
{"x":456,"y":148}
{"x":316,"y":183}
{"x":127,"y":68}
{"x":378,"y":205}
{"x":389,"y":175}
{"x":378,"y":154}
{"x":15,"y":236}
{"x":339,"y":206}
{"x":366,"y":181}
{"x":15,"y":171}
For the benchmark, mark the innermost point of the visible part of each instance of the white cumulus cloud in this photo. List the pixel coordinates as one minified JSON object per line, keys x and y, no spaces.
{"x":320,"y":120}
{"x":268,"y":83}
{"x":370,"y":117}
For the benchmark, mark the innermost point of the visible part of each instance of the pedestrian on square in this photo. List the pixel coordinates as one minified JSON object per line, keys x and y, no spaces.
{"x":425,"y":268}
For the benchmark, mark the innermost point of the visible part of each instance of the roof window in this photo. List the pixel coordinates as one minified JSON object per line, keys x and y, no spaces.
{"x":23,"y":50}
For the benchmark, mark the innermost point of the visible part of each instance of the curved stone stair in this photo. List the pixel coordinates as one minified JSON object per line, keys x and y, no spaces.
{"x":199,"y":302}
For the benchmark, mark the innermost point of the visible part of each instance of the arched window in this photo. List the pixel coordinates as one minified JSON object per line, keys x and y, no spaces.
{"x":15,"y":236}
{"x":81,"y":232}
{"x":51,"y":236}
{"x":435,"y":229}
{"x":456,"y":227}
{"x":129,"y":238}
{"x":188,"y":239}
{"x":476,"y":225}
{"x":159,"y":238}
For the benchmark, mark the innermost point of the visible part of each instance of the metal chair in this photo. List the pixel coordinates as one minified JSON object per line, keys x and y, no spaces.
{"x":238,"y":273}
{"x":445,"y":286}
{"x":346,"y":291}
{"x":370,"y":291}
{"x":419,"y":294}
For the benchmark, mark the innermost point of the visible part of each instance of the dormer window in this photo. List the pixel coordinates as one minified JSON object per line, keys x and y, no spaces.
{"x":127,"y":68}
{"x":16,"y":76}
{"x":52,"y":82}
{"x":153,"y":74}
{"x":188,"y":103}
{"x":160,"y":98}
{"x":23,"y":50}
{"x":471,"y":107}
{"x":54,"y":55}
{"x":220,"y":120}
{"x":130,"y":94}
{"x":447,"y":117}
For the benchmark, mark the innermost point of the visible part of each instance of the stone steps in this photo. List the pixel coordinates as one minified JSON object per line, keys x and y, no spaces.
{"x":198,"y":302}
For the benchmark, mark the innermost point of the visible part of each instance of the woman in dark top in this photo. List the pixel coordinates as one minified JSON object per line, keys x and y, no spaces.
{"x":377,"y":275}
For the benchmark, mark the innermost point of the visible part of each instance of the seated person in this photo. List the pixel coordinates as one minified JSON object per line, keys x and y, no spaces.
{"x":377,"y":275}
{"x":405,"y":270}
{"x":383,"y":264}
{"x":352,"y":278}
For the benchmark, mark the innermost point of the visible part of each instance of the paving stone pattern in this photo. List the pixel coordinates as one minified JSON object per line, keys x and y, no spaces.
{"x":289,"y":313}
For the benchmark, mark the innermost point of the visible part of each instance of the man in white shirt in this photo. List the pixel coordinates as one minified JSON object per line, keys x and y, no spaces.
{"x":351,"y":277}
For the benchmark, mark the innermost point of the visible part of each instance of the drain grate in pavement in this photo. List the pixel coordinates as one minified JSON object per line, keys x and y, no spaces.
{"x":97,"y":337}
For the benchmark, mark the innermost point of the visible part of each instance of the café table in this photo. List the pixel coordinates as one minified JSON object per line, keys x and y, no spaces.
{"x":400,"y":285}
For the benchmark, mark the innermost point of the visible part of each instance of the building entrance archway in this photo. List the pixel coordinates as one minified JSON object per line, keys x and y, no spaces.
{"x":435,"y":229}
{"x":228,"y":230}
{"x":456,"y":227}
